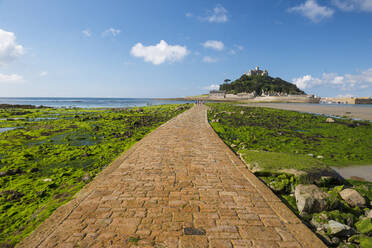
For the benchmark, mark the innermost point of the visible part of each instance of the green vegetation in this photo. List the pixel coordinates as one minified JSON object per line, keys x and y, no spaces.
{"x":53,"y":153}
{"x":281,"y":139}
{"x":274,"y":160}
{"x":260,"y":84}
{"x":364,"y":226}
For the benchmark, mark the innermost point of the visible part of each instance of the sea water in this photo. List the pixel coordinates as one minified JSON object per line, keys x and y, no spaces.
{"x":61,"y":102}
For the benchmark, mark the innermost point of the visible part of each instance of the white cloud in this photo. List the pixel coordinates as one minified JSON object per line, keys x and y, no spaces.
{"x":43,"y":73}
{"x":208,"y":59}
{"x":218,"y":15}
{"x":9,"y":49}
{"x":239,"y":47}
{"x":160,"y":52}
{"x":232,"y":51}
{"x":306,"y":81}
{"x":351,"y":5}
{"x":111,"y":31}
{"x":214,"y":44}
{"x":188,"y":14}
{"x":236,"y":49}
{"x":86,"y":32}
{"x":312,"y":10}
{"x":11,"y":78}
{"x":361,"y":80}
{"x":212,"y":87}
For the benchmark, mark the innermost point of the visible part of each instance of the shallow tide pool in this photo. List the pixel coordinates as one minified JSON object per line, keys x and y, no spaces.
{"x":355,"y":172}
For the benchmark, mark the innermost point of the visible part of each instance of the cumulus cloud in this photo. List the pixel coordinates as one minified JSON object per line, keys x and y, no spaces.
{"x":212,"y":87}
{"x":351,"y":5}
{"x":111,"y":31}
{"x":9,"y":49}
{"x":214,"y":44}
{"x":217,"y":15}
{"x":43,"y":73}
{"x":160,"y":52}
{"x":312,"y":10}
{"x":208,"y":59}
{"x":86,"y":32}
{"x":11,"y":78}
{"x":360,"y":80}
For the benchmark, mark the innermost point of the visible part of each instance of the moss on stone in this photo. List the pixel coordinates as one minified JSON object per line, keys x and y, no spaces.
{"x":365,"y":241}
{"x":364,"y":226}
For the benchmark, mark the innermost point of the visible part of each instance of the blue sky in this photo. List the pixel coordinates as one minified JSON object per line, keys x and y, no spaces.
{"x":171,"y":48}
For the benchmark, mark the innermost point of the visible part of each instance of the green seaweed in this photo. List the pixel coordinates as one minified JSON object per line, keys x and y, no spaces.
{"x":291,"y":140}
{"x":365,"y":242}
{"x":364,"y":226}
{"x":53,"y":153}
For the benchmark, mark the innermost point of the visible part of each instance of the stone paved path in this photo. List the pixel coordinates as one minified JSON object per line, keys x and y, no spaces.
{"x":181,"y":179}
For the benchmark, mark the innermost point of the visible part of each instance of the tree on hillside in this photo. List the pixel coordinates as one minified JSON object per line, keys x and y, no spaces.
{"x":260,"y":84}
{"x":227,"y":80}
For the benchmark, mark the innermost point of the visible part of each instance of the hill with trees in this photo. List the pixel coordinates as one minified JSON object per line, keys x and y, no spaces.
{"x":260,"y":84}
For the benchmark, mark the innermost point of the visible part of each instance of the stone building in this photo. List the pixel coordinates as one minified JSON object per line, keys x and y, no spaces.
{"x":217,"y":94}
{"x":256,"y":72}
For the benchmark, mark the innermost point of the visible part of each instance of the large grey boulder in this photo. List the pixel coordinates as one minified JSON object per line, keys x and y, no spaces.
{"x":338,"y":229}
{"x":353,"y":198}
{"x":310,"y":199}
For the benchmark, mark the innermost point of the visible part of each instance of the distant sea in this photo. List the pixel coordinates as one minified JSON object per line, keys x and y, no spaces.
{"x":61,"y":102}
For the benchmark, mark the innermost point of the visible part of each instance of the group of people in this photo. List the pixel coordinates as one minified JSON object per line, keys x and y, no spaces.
{"x":198,"y":102}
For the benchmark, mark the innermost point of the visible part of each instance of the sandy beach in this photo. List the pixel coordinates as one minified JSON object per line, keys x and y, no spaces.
{"x":362,"y":112}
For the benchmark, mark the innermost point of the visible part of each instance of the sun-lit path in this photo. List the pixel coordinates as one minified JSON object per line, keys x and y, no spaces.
{"x":180,"y":186}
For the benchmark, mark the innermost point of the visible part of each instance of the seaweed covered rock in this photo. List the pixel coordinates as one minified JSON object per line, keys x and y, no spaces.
{"x":281,"y":184}
{"x":310,"y":199}
{"x":364,"y":226}
{"x":11,"y":195}
{"x":319,"y":221}
{"x":353,"y":198}
{"x":365,"y":242}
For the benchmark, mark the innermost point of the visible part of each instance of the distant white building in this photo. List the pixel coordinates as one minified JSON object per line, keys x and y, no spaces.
{"x":256,"y":72}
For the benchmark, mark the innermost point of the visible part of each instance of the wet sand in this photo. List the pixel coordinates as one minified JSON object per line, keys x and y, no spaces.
{"x":362,"y":112}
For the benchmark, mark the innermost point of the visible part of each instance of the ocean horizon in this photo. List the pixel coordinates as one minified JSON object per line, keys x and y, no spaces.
{"x":88,"y":102}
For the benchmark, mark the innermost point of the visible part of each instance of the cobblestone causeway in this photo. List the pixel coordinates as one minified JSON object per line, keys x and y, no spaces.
{"x":180,"y":186}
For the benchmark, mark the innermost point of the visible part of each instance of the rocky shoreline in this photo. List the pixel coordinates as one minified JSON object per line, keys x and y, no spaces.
{"x":337,"y":210}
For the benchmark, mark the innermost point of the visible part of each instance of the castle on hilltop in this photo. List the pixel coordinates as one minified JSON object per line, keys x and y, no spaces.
{"x":257,"y":72}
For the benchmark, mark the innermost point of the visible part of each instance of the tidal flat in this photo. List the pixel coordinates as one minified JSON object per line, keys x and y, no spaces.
{"x":48,"y":154}
{"x":290,"y":151}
